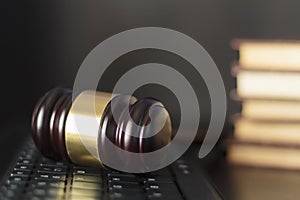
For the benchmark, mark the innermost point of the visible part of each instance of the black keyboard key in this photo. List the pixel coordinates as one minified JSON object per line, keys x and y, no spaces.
{"x":30,"y":165}
{"x":21,"y":172}
{"x":59,"y":169}
{"x":127,"y":195}
{"x":158,"y":179}
{"x":51,"y":192}
{"x":42,"y":177}
{"x":78,"y":170}
{"x":162,"y":191}
{"x":48,"y":184}
{"x":58,"y":164}
{"x":51,"y":172}
{"x":25,"y":161}
{"x":112,"y":174}
{"x":39,"y":192}
{"x":56,"y":184}
{"x":18,"y":173}
{"x":114,"y":178}
{"x":161,"y":187}
{"x":17,"y":180}
{"x":84,"y":172}
{"x":55,"y":192}
{"x":124,"y":186}
{"x":40,"y":184}
{"x":45,"y":162}
{"x":155,"y":195}
{"x":162,"y":196}
{"x":91,"y":193}
{"x":23,"y":167}
{"x":87,"y":185}
{"x":84,"y":178}
{"x":52,"y":169}
{"x":25,"y":176}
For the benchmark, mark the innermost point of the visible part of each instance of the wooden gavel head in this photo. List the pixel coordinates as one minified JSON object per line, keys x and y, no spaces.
{"x":56,"y":135}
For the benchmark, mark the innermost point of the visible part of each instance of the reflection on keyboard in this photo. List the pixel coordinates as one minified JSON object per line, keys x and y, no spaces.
{"x":35,"y":177}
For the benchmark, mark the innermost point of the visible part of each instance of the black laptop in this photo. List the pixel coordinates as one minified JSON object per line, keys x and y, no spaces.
{"x":26,"y":174}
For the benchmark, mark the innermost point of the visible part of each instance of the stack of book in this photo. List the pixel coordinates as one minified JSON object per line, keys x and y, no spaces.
{"x":267,"y":131}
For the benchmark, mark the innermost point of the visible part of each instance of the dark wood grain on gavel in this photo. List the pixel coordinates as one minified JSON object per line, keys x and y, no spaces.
{"x":50,"y":116}
{"x":46,"y":136}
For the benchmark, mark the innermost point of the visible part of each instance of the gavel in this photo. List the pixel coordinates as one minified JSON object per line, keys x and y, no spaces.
{"x":56,"y":136}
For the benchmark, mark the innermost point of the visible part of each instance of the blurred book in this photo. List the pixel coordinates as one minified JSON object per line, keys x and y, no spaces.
{"x":268,"y":84}
{"x":264,"y":155}
{"x":267,"y":131}
{"x":274,"y":132}
{"x":268,"y":54}
{"x":271,"y":110}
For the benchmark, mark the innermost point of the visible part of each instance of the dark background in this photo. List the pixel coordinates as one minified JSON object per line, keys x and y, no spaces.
{"x":44,"y":42}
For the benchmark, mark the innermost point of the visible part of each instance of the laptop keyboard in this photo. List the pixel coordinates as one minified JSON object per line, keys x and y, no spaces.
{"x":36,"y":177}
